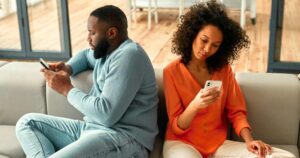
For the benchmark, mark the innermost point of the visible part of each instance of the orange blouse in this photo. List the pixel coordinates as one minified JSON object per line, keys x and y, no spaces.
{"x":208,"y":130}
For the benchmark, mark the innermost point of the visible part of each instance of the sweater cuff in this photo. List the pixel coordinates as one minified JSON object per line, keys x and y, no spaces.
{"x":240,"y":125}
{"x":176,"y":129}
{"x":71,"y":96}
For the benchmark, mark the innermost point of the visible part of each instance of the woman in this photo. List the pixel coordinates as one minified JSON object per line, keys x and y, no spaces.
{"x":207,"y":41}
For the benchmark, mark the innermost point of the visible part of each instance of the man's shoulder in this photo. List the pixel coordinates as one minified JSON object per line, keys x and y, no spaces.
{"x":130,"y":50}
{"x":131,"y":46}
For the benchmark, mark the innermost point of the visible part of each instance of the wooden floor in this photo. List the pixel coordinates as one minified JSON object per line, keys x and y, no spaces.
{"x":157,"y":41}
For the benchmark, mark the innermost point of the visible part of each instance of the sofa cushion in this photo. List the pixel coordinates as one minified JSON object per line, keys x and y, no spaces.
{"x":234,"y":149}
{"x":8,"y":136}
{"x":2,"y":63}
{"x":58,"y":104}
{"x":273,"y":105}
{"x":22,"y":91}
{"x":291,"y":148}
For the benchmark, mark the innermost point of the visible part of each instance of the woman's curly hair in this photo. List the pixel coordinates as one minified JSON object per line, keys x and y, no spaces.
{"x":199,"y":16}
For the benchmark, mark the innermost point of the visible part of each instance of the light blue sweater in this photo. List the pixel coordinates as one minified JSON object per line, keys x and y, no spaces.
{"x":124,"y":94}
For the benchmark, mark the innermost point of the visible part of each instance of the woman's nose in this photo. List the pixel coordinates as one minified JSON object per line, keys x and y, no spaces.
{"x":207,"y":48}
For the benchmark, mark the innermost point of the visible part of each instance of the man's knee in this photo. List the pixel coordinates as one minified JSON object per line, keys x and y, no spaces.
{"x":25,"y":121}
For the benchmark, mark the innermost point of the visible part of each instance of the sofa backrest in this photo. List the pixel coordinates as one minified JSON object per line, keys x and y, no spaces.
{"x":22,"y":90}
{"x":162,"y":117}
{"x":273,"y":100}
{"x":273,"y":105}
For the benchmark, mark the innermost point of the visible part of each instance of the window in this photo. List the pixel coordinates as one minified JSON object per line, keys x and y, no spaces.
{"x":34,"y":29}
{"x":284,"y":51}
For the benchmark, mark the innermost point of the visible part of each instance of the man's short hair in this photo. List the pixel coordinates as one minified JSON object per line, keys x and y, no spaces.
{"x":113,"y":16}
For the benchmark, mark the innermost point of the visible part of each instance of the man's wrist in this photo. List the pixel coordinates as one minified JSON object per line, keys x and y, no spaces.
{"x":69,"y":69}
{"x":67,"y":89}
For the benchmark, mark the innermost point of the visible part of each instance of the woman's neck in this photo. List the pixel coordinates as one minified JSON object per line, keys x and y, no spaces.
{"x":197,"y":65}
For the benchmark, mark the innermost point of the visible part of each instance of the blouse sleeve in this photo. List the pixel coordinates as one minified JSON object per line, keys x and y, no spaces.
{"x":173,"y":103}
{"x":235,"y":105}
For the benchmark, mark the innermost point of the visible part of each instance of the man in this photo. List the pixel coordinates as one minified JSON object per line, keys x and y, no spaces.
{"x":120,"y":110}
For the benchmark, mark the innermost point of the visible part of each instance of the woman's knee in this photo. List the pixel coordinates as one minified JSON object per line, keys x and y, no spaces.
{"x":177,"y":149}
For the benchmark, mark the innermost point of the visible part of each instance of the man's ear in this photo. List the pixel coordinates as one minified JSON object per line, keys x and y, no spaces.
{"x":112,"y":33}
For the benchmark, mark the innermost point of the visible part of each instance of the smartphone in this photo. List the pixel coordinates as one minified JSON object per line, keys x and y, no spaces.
{"x":45,"y":65}
{"x":213,"y":83}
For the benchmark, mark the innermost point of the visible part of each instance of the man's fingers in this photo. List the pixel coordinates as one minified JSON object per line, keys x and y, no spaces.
{"x":48,"y":74}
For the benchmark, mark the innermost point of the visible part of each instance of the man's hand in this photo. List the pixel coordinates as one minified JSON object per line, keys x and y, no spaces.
{"x":59,"y":66}
{"x":59,"y":81}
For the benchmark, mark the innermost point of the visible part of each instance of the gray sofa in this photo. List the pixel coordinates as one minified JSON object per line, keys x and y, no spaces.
{"x":273,"y":102}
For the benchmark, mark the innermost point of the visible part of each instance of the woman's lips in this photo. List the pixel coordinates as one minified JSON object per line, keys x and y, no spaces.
{"x":203,"y":55}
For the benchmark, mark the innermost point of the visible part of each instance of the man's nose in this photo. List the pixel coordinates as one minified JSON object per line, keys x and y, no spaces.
{"x":88,"y":38}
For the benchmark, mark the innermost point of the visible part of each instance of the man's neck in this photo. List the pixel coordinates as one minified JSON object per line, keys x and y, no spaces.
{"x":115,"y":44}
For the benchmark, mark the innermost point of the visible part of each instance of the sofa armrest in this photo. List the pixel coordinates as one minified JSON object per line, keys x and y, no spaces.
{"x":273,"y":106}
{"x":22,"y":90}
{"x":58,"y":104}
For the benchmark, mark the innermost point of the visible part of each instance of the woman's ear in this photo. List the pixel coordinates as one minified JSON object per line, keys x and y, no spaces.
{"x":112,"y":33}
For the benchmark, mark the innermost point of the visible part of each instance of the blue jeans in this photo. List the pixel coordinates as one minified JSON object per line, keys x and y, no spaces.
{"x":49,"y":136}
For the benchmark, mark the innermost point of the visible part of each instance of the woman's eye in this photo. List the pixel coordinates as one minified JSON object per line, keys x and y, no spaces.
{"x":216,"y":46}
{"x":204,"y":41}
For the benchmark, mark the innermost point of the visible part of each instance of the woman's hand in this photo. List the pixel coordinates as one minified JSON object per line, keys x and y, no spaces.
{"x":202,"y":100}
{"x":259,"y":148}
{"x":206,"y":97}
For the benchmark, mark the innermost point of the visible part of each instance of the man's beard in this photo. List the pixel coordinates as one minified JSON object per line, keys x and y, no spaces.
{"x":101,"y":49}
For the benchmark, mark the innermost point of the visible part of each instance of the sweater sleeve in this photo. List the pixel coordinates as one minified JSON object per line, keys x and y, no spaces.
{"x":120,"y":87}
{"x":235,"y":105}
{"x":173,"y":103}
{"x":82,"y":61}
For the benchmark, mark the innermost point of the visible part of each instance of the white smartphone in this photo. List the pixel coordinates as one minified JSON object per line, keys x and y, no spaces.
{"x":45,"y":65}
{"x":213,"y":83}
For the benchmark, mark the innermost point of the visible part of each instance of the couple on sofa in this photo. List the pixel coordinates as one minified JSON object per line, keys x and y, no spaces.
{"x":121,"y":108}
